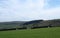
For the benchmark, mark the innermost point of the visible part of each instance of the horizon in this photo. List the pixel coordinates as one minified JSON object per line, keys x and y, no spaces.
{"x":28,"y":20}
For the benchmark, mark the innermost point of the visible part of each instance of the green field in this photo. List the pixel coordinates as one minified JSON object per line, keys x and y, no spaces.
{"x":34,"y":33}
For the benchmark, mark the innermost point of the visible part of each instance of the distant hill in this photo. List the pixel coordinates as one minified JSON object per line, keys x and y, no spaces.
{"x":8,"y":25}
{"x":42,"y":23}
{"x":30,"y":24}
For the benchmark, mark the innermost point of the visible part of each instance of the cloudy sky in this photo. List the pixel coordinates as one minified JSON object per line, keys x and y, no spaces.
{"x":25,"y":10}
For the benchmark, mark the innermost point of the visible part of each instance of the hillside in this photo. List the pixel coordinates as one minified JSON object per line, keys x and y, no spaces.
{"x":8,"y":25}
{"x":42,"y":23}
{"x":29,"y":24}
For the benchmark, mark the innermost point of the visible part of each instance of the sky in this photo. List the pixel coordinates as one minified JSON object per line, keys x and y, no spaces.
{"x":26,"y":10}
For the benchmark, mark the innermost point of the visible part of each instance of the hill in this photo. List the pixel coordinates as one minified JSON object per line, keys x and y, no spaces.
{"x":9,"y":25}
{"x":29,"y":24}
{"x":42,"y":23}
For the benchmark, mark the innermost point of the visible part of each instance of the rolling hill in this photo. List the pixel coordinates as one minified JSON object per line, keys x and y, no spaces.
{"x":29,"y":24}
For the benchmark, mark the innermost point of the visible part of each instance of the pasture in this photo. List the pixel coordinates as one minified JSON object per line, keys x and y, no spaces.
{"x":32,"y":33}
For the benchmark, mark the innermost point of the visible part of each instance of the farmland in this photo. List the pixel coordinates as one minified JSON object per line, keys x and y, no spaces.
{"x":32,"y":33}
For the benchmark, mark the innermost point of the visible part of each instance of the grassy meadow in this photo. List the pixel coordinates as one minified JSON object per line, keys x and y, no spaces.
{"x":32,"y":33}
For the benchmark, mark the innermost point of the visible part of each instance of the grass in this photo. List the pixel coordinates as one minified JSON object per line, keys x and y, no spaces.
{"x":34,"y":33}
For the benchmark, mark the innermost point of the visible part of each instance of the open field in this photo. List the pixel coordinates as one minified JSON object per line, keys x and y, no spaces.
{"x":32,"y":33}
